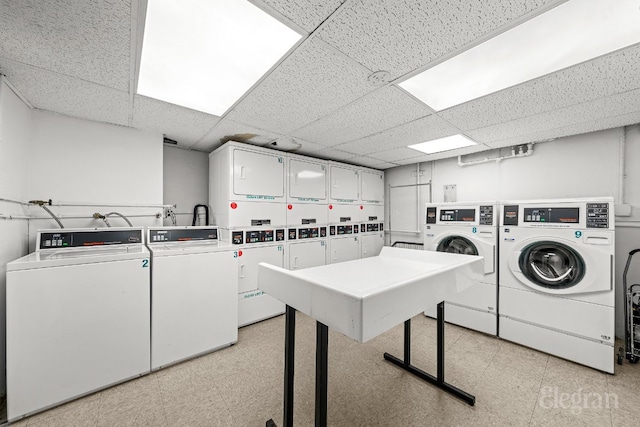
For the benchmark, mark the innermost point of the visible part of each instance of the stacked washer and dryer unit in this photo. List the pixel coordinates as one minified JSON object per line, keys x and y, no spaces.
{"x":557,"y":290}
{"x":470,"y":229}
{"x":288,"y":210}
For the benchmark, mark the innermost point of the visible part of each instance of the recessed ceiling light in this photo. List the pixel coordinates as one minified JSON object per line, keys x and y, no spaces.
{"x":443,"y":144}
{"x":571,"y":33}
{"x":205,"y":55}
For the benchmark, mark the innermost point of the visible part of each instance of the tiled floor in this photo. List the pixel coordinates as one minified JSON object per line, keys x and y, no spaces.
{"x":242,"y":386}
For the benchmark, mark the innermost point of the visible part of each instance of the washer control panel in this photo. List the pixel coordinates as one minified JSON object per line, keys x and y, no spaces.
{"x":182,"y":235}
{"x":597,"y":215}
{"x":339,"y":230}
{"x":486,"y":215}
{"x":74,"y":239}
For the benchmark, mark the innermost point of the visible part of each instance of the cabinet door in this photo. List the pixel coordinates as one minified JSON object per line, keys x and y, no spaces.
{"x":307,"y":180}
{"x":258,"y":174}
{"x":344,"y":184}
{"x":372,"y":187}
{"x":344,"y":249}
{"x":248,"y":264}
{"x":372,"y":244}
{"x":307,"y":254}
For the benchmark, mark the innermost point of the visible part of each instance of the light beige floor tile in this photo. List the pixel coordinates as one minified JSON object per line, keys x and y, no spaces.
{"x":83,"y":412}
{"x":134,"y":403}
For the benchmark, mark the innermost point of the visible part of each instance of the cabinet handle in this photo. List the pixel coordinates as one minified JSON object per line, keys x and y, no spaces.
{"x":295,"y":262}
{"x":242,"y":172}
{"x":241,"y":275}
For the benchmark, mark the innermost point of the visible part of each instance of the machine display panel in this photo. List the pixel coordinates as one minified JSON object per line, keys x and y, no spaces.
{"x":72,"y":239}
{"x":552,"y":215}
{"x":457,"y":215}
{"x":182,"y":235}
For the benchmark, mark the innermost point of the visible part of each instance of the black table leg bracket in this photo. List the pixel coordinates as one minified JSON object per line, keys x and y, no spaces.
{"x":438,"y":380}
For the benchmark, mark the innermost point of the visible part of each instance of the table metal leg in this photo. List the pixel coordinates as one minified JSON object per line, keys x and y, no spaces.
{"x":439,"y":380}
{"x":289,"y":361}
{"x":322,"y":377}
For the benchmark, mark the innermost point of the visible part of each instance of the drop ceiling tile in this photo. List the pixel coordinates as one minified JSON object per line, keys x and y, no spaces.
{"x":380,"y":110}
{"x":372,"y":163}
{"x":308,"y":14}
{"x":66,"y":95}
{"x":610,"y":74}
{"x":576,"y":129}
{"x":420,"y":130}
{"x":229,"y":130}
{"x":400,"y":36}
{"x":311,"y":83}
{"x":181,"y":124}
{"x":610,"y":106}
{"x":333,"y":154}
{"x":84,"y":39}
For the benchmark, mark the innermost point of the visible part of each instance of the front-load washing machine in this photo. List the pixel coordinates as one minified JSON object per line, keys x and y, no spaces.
{"x":194,"y":293}
{"x":469,"y":228}
{"x":253,"y":246}
{"x":77,"y":316}
{"x":306,"y":247}
{"x":556,"y":289}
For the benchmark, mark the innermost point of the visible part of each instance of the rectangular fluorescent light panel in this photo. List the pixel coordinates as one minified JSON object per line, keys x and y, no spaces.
{"x":443,"y":144}
{"x":568,"y":34}
{"x":204,"y":54}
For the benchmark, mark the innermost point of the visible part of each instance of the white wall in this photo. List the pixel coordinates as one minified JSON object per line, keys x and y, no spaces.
{"x":15,"y":125}
{"x":578,"y":166}
{"x":98,"y":168}
{"x":186,"y":183}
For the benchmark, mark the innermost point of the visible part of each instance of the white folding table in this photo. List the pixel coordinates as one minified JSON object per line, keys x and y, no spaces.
{"x":364,"y":298}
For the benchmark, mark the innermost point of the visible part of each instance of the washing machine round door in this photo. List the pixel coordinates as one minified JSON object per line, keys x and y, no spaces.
{"x":552,"y":265}
{"x":457,"y":245}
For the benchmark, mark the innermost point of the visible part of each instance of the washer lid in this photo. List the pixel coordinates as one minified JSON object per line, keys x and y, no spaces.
{"x":552,"y":265}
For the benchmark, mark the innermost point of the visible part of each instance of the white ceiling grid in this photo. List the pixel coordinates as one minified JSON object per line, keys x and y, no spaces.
{"x":83,"y":39}
{"x":77,"y":58}
{"x":47,"y":90}
{"x":308,"y":85}
{"x":179,"y":123}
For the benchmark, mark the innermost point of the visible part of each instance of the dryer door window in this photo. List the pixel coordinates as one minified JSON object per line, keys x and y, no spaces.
{"x":457,"y":245}
{"x":552,"y":265}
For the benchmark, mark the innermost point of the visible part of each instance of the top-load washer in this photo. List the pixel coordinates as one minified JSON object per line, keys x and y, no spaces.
{"x":557,"y":288}
{"x":468,"y":228}
{"x":77,"y":316}
{"x":194,"y":293}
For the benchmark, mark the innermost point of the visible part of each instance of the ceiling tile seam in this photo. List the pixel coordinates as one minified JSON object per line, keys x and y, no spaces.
{"x":481,"y":39}
{"x":564,"y":127}
{"x":4,"y":58}
{"x":277,"y":15}
{"x":577,"y":104}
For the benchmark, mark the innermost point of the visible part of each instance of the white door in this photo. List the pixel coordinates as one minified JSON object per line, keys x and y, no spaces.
{"x":372,"y":187}
{"x":372,"y":244}
{"x":200,"y":313}
{"x":258,"y":174}
{"x":344,"y":184}
{"x":344,"y":249}
{"x":307,"y":254}
{"x":248,"y":264}
{"x":73,"y":330}
{"x":307,"y":180}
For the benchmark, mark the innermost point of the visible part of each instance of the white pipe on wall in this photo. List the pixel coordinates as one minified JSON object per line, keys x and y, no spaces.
{"x":513,"y":154}
{"x":621,"y":156}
